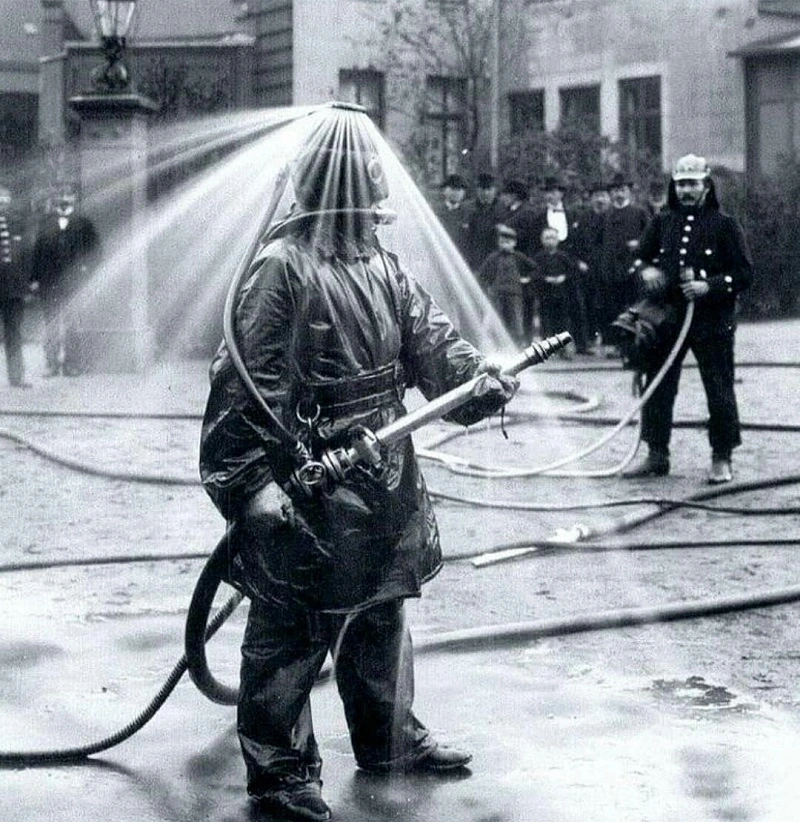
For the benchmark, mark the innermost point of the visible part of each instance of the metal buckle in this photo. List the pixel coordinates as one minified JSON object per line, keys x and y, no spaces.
{"x":310,"y":419}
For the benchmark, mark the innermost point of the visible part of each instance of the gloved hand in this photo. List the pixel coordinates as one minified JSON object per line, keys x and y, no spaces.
{"x":263,"y":512}
{"x":694,"y":289}
{"x":278,"y":557}
{"x":497,"y":384}
{"x":653,"y":279}
{"x":492,"y":393}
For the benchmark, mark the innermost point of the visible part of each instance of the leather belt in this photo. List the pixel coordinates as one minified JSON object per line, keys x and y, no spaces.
{"x":355,"y":394}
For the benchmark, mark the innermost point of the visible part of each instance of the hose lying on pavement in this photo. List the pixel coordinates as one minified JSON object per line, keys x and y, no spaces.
{"x":462,"y":466}
{"x":65,"y":755}
{"x":473,"y":639}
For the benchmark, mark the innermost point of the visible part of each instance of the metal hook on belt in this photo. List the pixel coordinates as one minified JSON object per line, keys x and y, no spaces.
{"x":310,"y":419}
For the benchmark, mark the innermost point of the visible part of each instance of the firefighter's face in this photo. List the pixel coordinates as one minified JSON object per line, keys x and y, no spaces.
{"x":691,"y":192}
{"x":65,"y":205}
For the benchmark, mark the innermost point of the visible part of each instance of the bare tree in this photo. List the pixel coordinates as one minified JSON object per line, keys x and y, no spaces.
{"x":438,"y":55}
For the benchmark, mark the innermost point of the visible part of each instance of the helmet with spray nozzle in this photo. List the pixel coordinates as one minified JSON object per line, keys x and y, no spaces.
{"x":338,"y":166}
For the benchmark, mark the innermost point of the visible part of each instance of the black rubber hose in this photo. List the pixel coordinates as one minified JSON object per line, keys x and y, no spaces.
{"x":65,"y":755}
{"x":196,"y":620}
{"x":475,"y":639}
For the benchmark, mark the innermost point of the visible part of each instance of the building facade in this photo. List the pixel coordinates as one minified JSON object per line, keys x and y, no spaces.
{"x":712,"y":76}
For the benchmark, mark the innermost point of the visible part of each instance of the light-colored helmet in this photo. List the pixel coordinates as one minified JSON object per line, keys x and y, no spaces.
{"x":691,"y":167}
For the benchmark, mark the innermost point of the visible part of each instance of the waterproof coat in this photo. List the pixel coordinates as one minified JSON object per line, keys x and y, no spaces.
{"x":343,"y":333}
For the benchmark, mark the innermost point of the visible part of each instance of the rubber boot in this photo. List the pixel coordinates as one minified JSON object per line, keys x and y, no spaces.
{"x":720,"y":469}
{"x":655,"y":464}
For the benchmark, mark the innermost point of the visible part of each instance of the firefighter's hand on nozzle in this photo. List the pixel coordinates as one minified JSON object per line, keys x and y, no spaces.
{"x":502,"y":386}
{"x":694,"y":289}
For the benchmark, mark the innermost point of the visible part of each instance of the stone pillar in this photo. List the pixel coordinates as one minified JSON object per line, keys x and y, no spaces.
{"x":51,"y":74}
{"x":113,"y":177}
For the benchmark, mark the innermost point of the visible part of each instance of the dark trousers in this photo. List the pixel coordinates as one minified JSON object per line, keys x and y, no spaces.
{"x":510,"y":310}
{"x":64,"y":345}
{"x":714,"y":356}
{"x":283,"y":651}
{"x":12,"y":312}
{"x":528,"y":311}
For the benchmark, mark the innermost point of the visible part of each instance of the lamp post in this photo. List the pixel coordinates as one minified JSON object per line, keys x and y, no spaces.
{"x":113,"y":176}
{"x":112,"y":20}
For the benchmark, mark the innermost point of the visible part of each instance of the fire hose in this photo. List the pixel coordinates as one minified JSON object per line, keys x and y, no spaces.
{"x":333,"y":465}
{"x":474,"y":639}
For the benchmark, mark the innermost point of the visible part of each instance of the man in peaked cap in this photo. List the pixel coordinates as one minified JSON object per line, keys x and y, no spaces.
{"x":452,"y":211}
{"x":623,"y":226}
{"x":693,"y":253}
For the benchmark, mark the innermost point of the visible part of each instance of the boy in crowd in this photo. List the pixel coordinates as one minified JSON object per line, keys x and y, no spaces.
{"x":500,"y":276}
{"x":558,"y":290}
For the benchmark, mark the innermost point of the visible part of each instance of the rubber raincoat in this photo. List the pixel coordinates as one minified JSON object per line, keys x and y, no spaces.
{"x":334,"y":335}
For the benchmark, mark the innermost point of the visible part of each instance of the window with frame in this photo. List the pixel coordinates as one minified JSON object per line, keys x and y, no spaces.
{"x":365,"y":87}
{"x":640,"y":114}
{"x":774,"y":103}
{"x":526,"y":111}
{"x":580,"y":108}
{"x":786,"y":8}
{"x":445,"y":122}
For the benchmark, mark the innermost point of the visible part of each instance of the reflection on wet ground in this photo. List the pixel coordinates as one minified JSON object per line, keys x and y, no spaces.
{"x":545,"y":747}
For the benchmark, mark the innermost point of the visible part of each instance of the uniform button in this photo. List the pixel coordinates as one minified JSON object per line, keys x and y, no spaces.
{"x":687,"y":228}
{"x":683,"y":251}
{"x":728,"y":278}
{"x":703,"y":274}
{"x":690,"y":217}
{"x":684,"y":239}
{"x":709,"y":252}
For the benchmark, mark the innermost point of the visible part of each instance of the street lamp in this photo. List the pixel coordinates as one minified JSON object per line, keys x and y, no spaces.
{"x":112,"y":20}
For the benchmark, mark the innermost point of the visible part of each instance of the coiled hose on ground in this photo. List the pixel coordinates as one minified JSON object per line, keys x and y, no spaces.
{"x":199,"y":629}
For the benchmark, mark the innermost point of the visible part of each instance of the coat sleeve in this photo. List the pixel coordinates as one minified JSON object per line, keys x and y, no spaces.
{"x":650,"y":243}
{"x":736,"y":268}
{"x":436,"y":356}
{"x":240,"y":450}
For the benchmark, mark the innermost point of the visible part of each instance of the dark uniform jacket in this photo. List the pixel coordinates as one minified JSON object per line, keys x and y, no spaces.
{"x":14,"y":273}
{"x":60,"y":257}
{"x":319,"y":329}
{"x":456,"y":223}
{"x":713,"y":244}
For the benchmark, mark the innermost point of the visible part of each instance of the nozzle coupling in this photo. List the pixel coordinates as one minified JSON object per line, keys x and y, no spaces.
{"x":538,"y":351}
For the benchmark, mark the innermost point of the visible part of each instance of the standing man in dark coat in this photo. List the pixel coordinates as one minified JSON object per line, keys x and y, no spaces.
{"x":332,"y":329}
{"x":555,"y":215}
{"x":452,"y":212}
{"x":64,"y":254}
{"x":483,"y":216}
{"x":623,"y":226}
{"x":517,"y":213}
{"x":694,"y":253}
{"x":14,"y":287}
{"x":588,"y":249}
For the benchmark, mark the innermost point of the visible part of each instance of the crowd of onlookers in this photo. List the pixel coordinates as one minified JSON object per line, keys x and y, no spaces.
{"x":548,"y":266}
{"x":53,"y":260}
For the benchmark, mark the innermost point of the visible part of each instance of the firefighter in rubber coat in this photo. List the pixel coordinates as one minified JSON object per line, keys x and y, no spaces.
{"x":694,"y":252}
{"x":333,"y":331}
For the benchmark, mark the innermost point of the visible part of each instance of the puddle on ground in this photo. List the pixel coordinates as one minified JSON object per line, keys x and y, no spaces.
{"x":696,"y":695}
